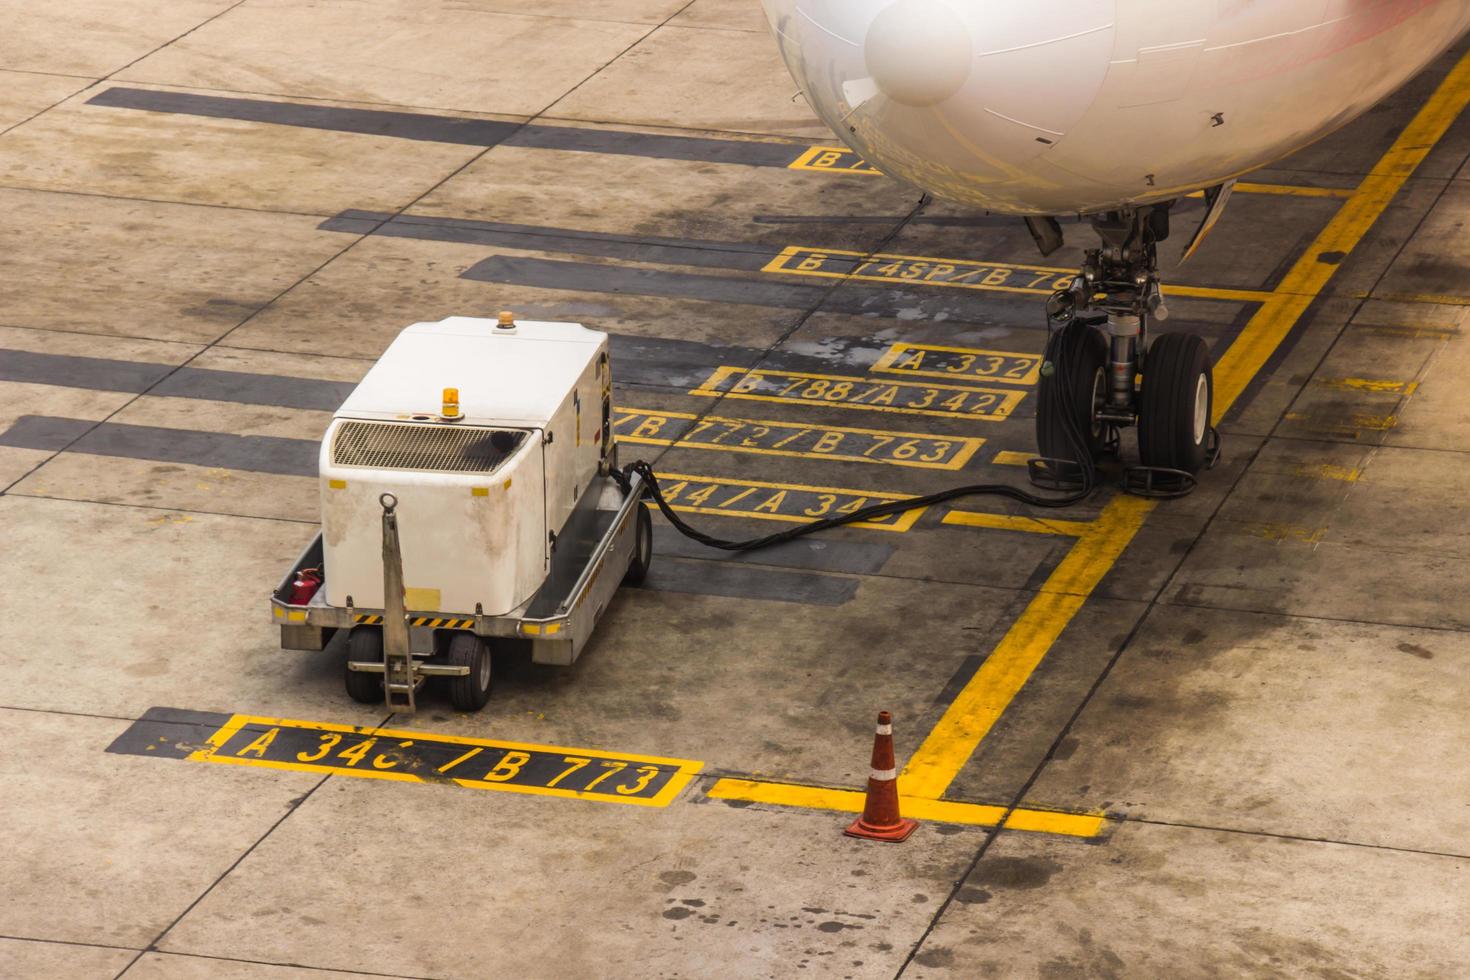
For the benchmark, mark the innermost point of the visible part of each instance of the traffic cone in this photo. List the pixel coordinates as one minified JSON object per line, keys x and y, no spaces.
{"x":880,"y":819}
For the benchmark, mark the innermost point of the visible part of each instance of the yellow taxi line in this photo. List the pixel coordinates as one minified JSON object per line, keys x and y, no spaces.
{"x":939,"y":811}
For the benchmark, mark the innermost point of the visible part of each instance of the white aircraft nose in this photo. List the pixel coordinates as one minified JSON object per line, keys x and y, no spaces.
{"x":918,"y":52}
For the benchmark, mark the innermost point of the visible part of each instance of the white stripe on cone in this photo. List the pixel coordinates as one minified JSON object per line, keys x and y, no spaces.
{"x":885,"y":774}
{"x":885,"y":729}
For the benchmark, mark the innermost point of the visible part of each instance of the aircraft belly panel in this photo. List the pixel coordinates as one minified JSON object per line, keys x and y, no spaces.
{"x":1118,"y":101}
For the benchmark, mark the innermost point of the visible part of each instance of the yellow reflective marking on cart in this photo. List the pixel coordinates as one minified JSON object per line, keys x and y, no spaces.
{"x":479,"y":491}
{"x":424,"y":757}
{"x":798,"y":503}
{"x":337,"y":484}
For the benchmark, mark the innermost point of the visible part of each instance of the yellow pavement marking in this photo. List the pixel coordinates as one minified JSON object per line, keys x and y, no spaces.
{"x":1327,"y":471}
{"x":1378,"y":386}
{"x":516,"y":767}
{"x":929,"y":270}
{"x":1016,"y":522}
{"x":920,"y":397}
{"x":841,"y":160}
{"x":1433,"y":299}
{"x":962,"y":363}
{"x":772,"y":437}
{"x":980,"y":704}
{"x":1009,"y":457}
{"x":1273,"y":531}
{"x":939,"y":811}
{"x":799,"y":503}
{"x":1349,"y":424}
{"x":970,"y":717}
{"x":1413,"y":331}
{"x":832,"y":160}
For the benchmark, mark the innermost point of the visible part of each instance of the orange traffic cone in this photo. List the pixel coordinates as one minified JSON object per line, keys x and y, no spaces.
{"x":880,"y":819}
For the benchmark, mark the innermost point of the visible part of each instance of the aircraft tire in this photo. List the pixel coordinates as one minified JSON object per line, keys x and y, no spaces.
{"x":1085,"y":351}
{"x":1176,"y":403}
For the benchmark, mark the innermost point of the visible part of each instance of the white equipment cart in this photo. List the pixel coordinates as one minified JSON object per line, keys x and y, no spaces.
{"x":469,"y":493}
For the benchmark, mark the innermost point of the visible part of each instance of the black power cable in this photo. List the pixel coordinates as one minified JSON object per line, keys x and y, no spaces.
{"x":1054,"y":398}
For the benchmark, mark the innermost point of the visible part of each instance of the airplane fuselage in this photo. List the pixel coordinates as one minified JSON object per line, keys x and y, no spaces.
{"x":1079,"y":106}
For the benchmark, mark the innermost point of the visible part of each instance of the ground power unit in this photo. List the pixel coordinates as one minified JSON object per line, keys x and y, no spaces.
{"x":469,"y":493}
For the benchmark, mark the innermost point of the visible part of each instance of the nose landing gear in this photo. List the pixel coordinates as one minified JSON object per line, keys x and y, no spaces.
{"x":1089,"y":390}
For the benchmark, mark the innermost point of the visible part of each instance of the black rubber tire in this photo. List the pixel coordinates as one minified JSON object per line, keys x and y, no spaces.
{"x":642,"y":549}
{"x":1169,"y":433}
{"x":364,"y":644}
{"x":1086,"y":352}
{"x":469,"y":693}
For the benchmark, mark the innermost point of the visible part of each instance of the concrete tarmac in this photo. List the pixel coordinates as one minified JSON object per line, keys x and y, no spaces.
{"x":1215,"y":736}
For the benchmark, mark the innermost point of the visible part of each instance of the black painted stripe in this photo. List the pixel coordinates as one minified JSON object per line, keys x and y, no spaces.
{"x":71,"y":371}
{"x":462,"y":130}
{"x":740,"y":581}
{"x":298,"y":457}
{"x":168,"y":733}
{"x":246,"y":388}
{"x":589,"y":277}
{"x":372,"y":122}
{"x":256,"y":454}
{"x":640,"y":248}
{"x":44,"y":432}
{"x":826,"y":555}
{"x":637,"y":361}
{"x":853,"y":298}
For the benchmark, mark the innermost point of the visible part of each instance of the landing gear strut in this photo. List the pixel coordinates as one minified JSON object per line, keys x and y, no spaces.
{"x":1088,"y":389}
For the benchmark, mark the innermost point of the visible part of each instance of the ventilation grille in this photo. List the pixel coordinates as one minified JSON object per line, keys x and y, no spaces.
{"x":436,"y":448}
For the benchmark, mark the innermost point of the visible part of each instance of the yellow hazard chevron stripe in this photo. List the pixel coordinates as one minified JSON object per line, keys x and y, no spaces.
{"x":429,"y":621}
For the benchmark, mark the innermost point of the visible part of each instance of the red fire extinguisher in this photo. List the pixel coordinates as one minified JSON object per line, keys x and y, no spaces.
{"x":308,"y":580}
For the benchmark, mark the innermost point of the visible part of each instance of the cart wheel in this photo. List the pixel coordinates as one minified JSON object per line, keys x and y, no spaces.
{"x":469,"y":693}
{"x":1176,"y":403}
{"x":642,"y":548}
{"x":365,"y":644}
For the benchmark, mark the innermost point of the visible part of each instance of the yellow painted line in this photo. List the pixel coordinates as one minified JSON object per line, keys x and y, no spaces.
{"x":1377,"y":386}
{"x":1009,"y":457}
{"x":990,"y":691}
{"x":212,"y":751}
{"x":1410,"y":330}
{"x":1352,"y":422}
{"x":1432,"y":299}
{"x":929,"y":398}
{"x":972,"y":714}
{"x":1272,"y":531}
{"x":1327,"y":471}
{"x":1017,"y":522}
{"x":937,"y":811}
{"x":767,"y":437}
{"x":763,"y":500}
